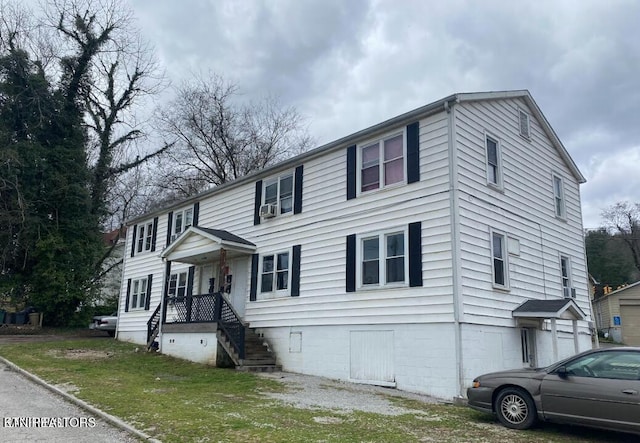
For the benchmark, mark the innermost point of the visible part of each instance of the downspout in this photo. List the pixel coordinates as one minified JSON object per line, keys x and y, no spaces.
{"x":455,"y":246}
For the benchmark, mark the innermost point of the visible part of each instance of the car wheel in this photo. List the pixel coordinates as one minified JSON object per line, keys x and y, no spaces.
{"x":515,"y":408}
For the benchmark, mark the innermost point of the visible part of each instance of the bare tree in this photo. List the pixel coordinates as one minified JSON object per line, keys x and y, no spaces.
{"x":121,"y":73}
{"x":623,"y":219}
{"x":218,"y":138}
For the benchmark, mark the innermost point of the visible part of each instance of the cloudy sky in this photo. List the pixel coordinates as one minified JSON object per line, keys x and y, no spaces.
{"x":348,"y":64}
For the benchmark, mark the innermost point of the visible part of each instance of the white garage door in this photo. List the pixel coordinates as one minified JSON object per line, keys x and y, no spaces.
{"x":630,"y":316}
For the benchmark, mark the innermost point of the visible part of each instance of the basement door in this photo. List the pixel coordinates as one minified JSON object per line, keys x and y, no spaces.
{"x":371,"y":358}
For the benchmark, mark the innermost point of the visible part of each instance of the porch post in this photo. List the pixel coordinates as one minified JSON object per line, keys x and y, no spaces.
{"x":222,"y":270}
{"x":167,"y":277}
{"x":576,"y":345}
{"x":554,"y":339}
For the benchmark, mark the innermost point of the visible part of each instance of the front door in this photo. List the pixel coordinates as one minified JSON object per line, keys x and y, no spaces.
{"x":235,"y":286}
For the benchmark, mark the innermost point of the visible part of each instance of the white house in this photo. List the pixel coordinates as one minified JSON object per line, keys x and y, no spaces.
{"x":417,"y":253}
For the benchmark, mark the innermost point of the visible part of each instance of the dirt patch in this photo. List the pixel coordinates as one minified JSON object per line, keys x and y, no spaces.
{"x":79,"y":354}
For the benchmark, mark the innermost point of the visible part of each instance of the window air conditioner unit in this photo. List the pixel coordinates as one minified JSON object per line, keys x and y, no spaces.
{"x":268,"y":210}
{"x":569,"y":292}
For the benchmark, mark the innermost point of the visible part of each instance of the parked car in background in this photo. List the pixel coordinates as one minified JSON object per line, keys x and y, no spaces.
{"x":598,"y":388}
{"x":107,"y":323}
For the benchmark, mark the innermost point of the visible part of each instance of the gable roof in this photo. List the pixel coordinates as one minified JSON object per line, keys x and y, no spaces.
{"x":213,"y":241}
{"x":565,"y":308}
{"x":441,"y":105}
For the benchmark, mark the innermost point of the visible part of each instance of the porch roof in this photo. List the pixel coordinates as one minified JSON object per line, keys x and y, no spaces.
{"x":199,"y":245}
{"x":564,"y":308}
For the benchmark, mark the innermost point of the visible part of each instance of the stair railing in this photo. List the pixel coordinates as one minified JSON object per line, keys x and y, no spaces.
{"x":153,"y":323}
{"x":229,"y":323}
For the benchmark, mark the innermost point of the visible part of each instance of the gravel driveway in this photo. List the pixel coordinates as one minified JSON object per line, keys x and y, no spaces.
{"x":311,"y":392}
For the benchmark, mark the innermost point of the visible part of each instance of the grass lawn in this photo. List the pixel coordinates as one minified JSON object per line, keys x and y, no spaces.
{"x":177,"y":401}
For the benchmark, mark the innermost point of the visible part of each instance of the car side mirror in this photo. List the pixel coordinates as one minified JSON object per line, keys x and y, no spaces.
{"x":562,"y":372}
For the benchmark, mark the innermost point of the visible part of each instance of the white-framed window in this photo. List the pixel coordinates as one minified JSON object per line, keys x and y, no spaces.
{"x":177,"y":284}
{"x":494,"y":161}
{"x":145,"y":237}
{"x":279,"y":191}
{"x":275,"y":273}
{"x":138,"y":294}
{"x":565,"y":273}
{"x":500,"y":260}
{"x":524,"y":124}
{"x":558,"y":196}
{"x":182,"y":220}
{"x":383,"y":259}
{"x":382,"y":162}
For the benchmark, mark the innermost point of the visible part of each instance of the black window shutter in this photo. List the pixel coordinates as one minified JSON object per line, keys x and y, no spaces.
{"x":351,"y":263}
{"x":297,"y":193}
{"x":133,"y":240}
{"x":154,"y":234}
{"x":258,"y":202}
{"x":413,"y":152}
{"x":196,"y":213}
{"x":147,"y":301}
{"x":192,"y":270}
{"x":415,"y":254}
{"x":254,"y":278}
{"x":126,"y":301}
{"x":351,"y":172}
{"x":169,"y":223}
{"x":295,"y":271}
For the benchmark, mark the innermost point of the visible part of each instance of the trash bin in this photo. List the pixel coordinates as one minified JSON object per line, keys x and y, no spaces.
{"x":1,"y":316}
{"x":10,"y":318}
{"x":34,"y":319}
{"x":21,"y":318}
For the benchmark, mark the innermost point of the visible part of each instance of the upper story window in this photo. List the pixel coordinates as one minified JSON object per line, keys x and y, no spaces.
{"x":494,"y":167}
{"x":278,"y":191}
{"x":182,"y":220}
{"x":138,"y":294}
{"x":278,"y":195}
{"x":143,"y":237}
{"x":383,"y":259}
{"x":565,"y":273}
{"x":500,"y":265}
{"x":382,"y":163}
{"x":524,"y":124}
{"x":558,"y":195}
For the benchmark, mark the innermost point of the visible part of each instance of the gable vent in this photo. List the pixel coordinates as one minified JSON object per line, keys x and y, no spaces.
{"x":524,"y":124}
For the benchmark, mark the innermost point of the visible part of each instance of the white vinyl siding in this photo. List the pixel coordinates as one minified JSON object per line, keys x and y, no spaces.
{"x":524,"y":210}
